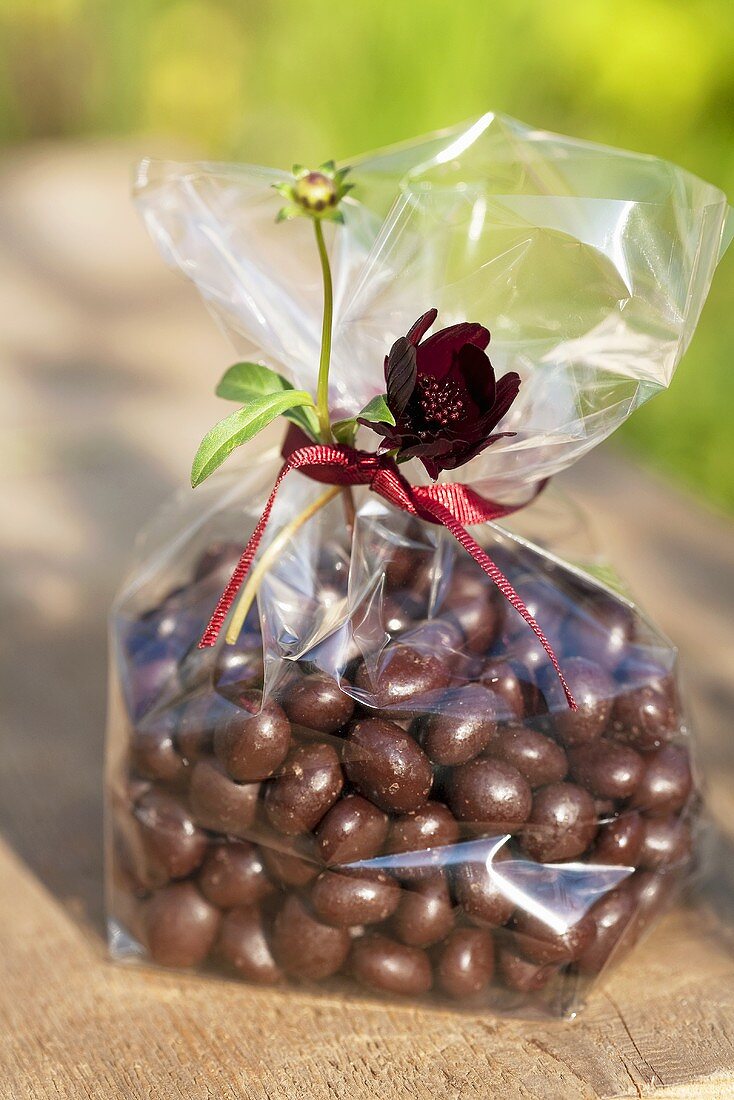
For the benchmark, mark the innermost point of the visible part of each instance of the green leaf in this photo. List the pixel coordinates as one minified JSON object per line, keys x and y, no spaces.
{"x":244,"y":382}
{"x":344,"y":430}
{"x":241,"y":426}
{"x":377,"y":412}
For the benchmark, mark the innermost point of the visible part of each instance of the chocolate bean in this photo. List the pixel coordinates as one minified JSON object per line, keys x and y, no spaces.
{"x":173,"y":845}
{"x":218,"y":802}
{"x":357,"y":896}
{"x":606,"y":769}
{"x":520,"y":974}
{"x":593,"y":692}
{"x":480,"y":888}
{"x":465,"y":963}
{"x":244,"y":944}
{"x":317,"y":702}
{"x":153,"y":753}
{"x":353,"y":829}
{"x":611,"y":916}
{"x":287,"y":868}
{"x":562,"y":823}
{"x":539,"y":759}
{"x":254,"y":741}
{"x":387,"y":966}
{"x":402,"y":679}
{"x":645,"y":714}
{"x":240,"y":668}
{"x":233,"y":875}
{"x":425,"y":913}
{"x":602,"y":629}
{"x":422,"y":834}
{"x":387,"y":765}
{"x":400,"y":611}
{"x":503,"y":679}
{"x":462,"y":725}
{"x":309,"y":783}
{"x":489,"y":793}
{"x":667,"y":781}
{"x":620,"y":840}
{"x":542,"y":944}
{"x":667,"y":843}
{"x":305,"y":947}
{"x":180,"y":926}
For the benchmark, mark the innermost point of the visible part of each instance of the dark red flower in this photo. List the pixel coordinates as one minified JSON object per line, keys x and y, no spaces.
{"x":443,"y":395}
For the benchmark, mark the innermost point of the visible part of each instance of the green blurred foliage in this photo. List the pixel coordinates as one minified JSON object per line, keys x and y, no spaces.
{"x":277,"y":81}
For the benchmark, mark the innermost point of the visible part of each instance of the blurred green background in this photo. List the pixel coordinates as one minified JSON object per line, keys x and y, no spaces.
{"x":273,"y":81}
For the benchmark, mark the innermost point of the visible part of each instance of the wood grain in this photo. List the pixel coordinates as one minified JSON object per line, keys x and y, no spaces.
{"x":108,"y":363}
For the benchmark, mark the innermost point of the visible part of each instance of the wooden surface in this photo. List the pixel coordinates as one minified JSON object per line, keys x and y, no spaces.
{"x":107,"y":364}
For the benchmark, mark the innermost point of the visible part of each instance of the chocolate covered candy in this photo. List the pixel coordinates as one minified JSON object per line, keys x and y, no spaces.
{"x":180,"y":926}
{"x":218,"y":802}
{"x":611,"y":916}
{"x":503,"y":679}
{"x":593,"y":691}
{"x":425,"y":914}
{"x":666,"y":783}
{"x":387,"y":765}
{"x":521,"y":974}
{"x":354,"y":896}
{"x":353,"y":829}
{"x":309,"y":783}
{"x":233,"y":875}
{"x":462,"y":725}
{"x":383,"y":964}
{"x":479,"y":886}
{"x":645,"y":714}
{"x":402,"y":679}
{"x":244,"y":944}
{"x":620,"y":840}
{"x":489,"y":794}
{"x":254,"y":740}
{"x":465,"y":963}
{"x":606,"y":769}
{"x":421,"y":835}
{"x":173,"y":845}
{"x":539,"y":759}
{"x":542,"y":943}
{"x":562,"y":823}
{"x":306,"y":947}
{"x":317,"y":702}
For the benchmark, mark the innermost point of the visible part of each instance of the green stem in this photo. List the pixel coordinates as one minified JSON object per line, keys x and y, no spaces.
{"x":322,"y":389}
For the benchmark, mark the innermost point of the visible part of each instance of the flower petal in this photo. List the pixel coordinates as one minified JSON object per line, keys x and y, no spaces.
{"x":476,"y":376}
{"x":400,"y":375}
{"x":455,"y":460}
{"x":421,"y":326}
{"x":436,"y":354}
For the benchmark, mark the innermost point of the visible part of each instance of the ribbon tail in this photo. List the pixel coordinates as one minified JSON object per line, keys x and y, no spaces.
{"x":242,"y":568}
{"x":444,"y":516}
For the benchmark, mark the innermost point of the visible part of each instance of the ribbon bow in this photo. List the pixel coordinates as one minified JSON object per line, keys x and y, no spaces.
{"x":452,"y":506}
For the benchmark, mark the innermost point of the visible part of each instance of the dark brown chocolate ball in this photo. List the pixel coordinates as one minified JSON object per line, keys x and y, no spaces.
{"x":180,"y":926}
{"x":218,"y":802}
{"x":387,"y":765}
{"x":387,"y":966}
{"x":619,"y":841}
{"x":604,"y":634}
{"x":353,"y":829}
{"x":254,"y":741}
{"x":289,"y":869}
{"x":542,"y":944}
{"x":667,"y":781}
{"x":502,"y":678}
{"x":593,"y":691}
{"x":419,"y":837}
{"x":174,"y":847}
{"x":480,"y":888}
{"x":244,"y":944}
{"x":611,"y":915}
{"x":354,"y":896}
{"x":562,"y":823}
{"x":317,"y":702}
{"x":233,"y":875}
{"x":490,"y":794}
{"x":645,"y":715}
{"x":240,"y":669}
{"x":153,"y":752}
{"x":304,"y":946}
{"x":539,"y":759}
{"x":402,"y":679}
{"x":197,"y":720}
{"x":309,"y":783}
{"x":425,"y":913}
{"x":520,"y":974}
{"x":606,"y":769}
{"x":465,"y":963}
{"x":667,"y":843}
{"x":462,"y":724}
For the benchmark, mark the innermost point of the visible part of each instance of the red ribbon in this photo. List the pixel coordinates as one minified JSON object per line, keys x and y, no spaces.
{"x":451,"y":506}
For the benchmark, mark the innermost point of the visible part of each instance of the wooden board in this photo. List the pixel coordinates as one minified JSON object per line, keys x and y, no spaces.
{"x":107,"y":363}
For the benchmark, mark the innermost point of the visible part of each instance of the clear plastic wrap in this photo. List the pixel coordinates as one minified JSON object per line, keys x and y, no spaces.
{"x":381,"y":785}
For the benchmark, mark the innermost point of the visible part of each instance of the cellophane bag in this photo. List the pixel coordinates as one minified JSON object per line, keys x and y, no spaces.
{"x":381,"y":786}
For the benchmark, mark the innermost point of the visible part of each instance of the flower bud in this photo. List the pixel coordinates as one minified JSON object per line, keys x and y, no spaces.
{"x":315,"y":192}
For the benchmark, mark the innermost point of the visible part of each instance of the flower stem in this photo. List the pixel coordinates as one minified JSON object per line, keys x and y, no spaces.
{"x":322,"y":389}
{"x":269,"y":555}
